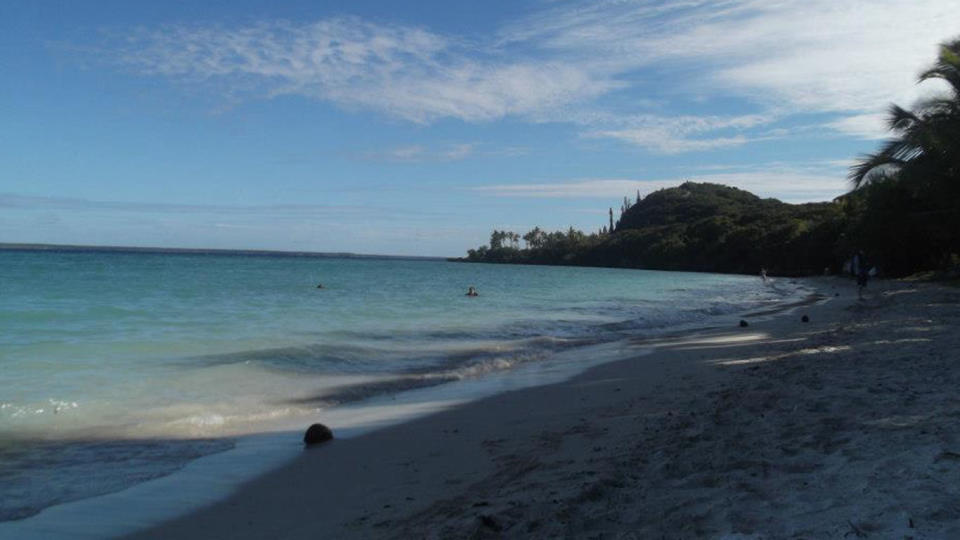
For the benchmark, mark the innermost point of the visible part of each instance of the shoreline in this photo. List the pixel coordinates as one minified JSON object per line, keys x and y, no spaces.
{"x":215,"y":468}
{"x":843,"y":425}
{"x":354,"y":485}
{"x":450,"y":473}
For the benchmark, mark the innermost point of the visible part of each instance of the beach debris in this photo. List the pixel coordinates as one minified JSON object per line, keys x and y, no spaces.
{"x":490,"y":523}
{"x":316,"y":434}
{"x":744,"y":324}
{"x":804,"y":319}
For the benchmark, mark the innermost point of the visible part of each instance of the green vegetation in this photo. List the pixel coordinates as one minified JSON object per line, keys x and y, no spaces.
{"x":703,"y":227}
{"x":903,"y":212}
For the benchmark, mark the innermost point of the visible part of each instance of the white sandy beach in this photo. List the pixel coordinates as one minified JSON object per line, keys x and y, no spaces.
{"x":846,"y":426}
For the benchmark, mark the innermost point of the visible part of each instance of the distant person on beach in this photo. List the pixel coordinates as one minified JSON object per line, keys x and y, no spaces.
{"x":472,"y":291}
{"x":763,"y":274}
{"x":860,"y":269}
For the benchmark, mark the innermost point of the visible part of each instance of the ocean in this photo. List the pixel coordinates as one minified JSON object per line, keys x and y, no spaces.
{"x":119,"y":368}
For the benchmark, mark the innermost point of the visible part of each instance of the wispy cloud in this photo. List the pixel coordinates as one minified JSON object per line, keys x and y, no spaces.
{"x":458,"y":151}
{"x":798,"y":55}
{"x":402,"y":71}
{"x":665,"y":144}
{"x":418,"y":153}
{"x":403,"y":153}
{"x":787,"y":185}
{"x":592,"y":188}
{"x":677,"y":134}
{"x":869,"y":126}
{"x":783,"y":58}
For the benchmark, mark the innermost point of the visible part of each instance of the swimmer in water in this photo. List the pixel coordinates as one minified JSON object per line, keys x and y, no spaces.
{"x":472,"y":291}
{"x":319,"y":285}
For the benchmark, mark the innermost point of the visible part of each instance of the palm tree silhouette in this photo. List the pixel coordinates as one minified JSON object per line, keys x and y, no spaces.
{"x":911,"y":186}
{"x":926,"y":149}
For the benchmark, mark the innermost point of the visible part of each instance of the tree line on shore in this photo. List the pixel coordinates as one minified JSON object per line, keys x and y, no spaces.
{"x":903,"y":212}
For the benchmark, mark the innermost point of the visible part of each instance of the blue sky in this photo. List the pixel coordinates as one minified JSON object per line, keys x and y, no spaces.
{"x":416,"y":127}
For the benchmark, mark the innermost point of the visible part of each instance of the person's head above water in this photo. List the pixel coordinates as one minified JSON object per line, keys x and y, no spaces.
{"x":472,"y":291}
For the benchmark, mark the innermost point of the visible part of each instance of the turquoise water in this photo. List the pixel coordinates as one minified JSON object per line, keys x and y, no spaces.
{"x":147,"y":361}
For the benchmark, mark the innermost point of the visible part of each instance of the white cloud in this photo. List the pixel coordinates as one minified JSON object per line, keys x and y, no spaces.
{"x":416,"y":153}
{"x":669,"y":145}
{"x":864,"y":126}
{"x":784,"y":58}
{"x":835,"y":56}
{"x":677,"y":134}
{"x":786,"y":185}
{"x":793,"y":56}
{"x":398,"y":70}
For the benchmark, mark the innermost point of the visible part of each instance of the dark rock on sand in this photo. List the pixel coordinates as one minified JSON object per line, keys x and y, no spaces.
{"x":316,"y":434}
{"x":490,"y":523}
{"x":804,"y":319}
{"x":744,"y":324}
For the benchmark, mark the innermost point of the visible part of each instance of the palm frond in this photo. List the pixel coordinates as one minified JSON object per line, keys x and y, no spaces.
{"x":926,"y":145}
{"x":947,"y":67}
{"x":871,"y":165}
{"x":904,"y":148}
{"x":899,"y":119}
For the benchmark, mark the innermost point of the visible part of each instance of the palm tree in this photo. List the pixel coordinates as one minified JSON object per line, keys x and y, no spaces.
{"x":534,"y":238}
{"x":926,"y":149}
{"x":497,"y":238}
{"x":910,"y":188}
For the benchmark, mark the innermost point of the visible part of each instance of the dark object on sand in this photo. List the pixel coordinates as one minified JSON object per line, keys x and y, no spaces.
{"x":744,"y":324}
{"x":490,"y":523}
{"x":316,"y":434}
{"x":804,"y":319}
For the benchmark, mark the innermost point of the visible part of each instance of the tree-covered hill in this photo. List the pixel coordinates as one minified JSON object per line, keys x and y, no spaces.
{"x":701,"y":227}
{"x":709,"y":227}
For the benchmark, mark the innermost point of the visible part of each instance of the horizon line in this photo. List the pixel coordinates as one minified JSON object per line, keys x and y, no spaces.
{"x":35,"y":246}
